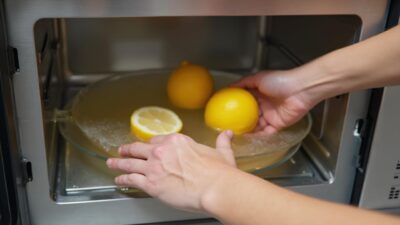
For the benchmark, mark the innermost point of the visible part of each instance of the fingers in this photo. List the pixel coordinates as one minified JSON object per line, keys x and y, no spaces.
{"x":128,"y":165}
{"x":248,"y":82}
{"x":256,"y":93}
{"x":138,"y":150}
{"x":262,"y":123}
{"x":134,"y":180}
{"x":224,"y":139}
{"x":270,"y":130}
{"x":223,"y":146}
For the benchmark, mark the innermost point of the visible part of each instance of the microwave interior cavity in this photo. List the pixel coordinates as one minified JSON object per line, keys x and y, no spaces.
{"x":73,"y":53}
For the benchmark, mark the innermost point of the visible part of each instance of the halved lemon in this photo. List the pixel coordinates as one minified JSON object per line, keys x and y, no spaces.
{"x":150,"y":121}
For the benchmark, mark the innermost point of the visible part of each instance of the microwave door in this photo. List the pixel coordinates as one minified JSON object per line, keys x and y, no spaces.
{"x":377,"y":184}
{"x":12,"y":197}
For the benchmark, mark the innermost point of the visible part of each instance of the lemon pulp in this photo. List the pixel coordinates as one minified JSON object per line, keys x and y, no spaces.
{"x":151,"y":121}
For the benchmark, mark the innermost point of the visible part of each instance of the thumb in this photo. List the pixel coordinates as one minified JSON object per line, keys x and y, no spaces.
{"x":223,"y":146}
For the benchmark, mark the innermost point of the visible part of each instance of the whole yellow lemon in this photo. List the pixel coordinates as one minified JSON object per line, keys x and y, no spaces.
{"x":190,"y":86}
{"x":232,"y":108}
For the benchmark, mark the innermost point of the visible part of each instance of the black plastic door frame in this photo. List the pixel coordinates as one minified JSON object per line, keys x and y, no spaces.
{"x":12,"y":212}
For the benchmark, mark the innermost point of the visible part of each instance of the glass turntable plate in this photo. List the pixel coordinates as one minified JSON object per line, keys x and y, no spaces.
{"x":96,"y":120}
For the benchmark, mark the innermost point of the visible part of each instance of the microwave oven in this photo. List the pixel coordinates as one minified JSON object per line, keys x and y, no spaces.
{"x":52,"y":49}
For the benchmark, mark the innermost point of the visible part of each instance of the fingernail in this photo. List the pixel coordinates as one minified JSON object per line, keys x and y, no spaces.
{"x":109,"y":162}
{"x":229,"y":133}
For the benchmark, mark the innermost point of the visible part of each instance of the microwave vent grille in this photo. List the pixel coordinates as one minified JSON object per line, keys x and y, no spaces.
{"x":395,"y":189}
{"x":394,"y":192}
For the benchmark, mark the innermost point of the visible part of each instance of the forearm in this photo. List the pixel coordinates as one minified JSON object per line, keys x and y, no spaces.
{"x":244,"y":199}
{"x":372,"y":63}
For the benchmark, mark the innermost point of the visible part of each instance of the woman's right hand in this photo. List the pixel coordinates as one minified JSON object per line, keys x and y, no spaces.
{"x":177,"y":170}
{"x":281,"y":99}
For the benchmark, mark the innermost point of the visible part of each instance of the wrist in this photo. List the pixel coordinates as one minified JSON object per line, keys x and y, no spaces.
{"x":324,"y":77}
{"x":214,"y":198}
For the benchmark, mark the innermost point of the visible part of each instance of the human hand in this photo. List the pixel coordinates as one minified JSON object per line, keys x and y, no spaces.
{"x":281,"y":100}
{"x":174,"y":168}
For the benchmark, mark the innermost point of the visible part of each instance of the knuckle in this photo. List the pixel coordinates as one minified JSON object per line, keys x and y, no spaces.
{"x":129,"y":147}
{"x":158,"y":152}
{"x":120,"y":180}
{"x":122,"y":148}
{"x":119,"y":164}
{"x":125,"y":149}
{"x":131,"y":179}
{"x":127,"y":180}
{"x":114,"y":163}
{"x":125,"y":165}
{"x":135,"y":145}
{"x":133,"y":148}
{"x":129,"y":167}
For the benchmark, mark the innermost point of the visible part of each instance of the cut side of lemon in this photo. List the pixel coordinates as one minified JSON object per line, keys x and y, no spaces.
{"x":150,"y":121}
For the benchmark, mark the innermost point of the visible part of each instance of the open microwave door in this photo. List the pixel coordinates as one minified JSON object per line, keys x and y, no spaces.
{"x":10,"y":160}
{"x":377,"y":184}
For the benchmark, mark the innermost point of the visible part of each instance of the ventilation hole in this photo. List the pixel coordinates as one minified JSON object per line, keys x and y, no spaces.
{"x":394,"y":192}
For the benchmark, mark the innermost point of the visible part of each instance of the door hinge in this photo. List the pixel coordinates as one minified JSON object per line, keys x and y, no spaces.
{"x":358,"y":134}
{"x":27,"y":175}
{"x":13,"y":60}
{"x":358,"y":164}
